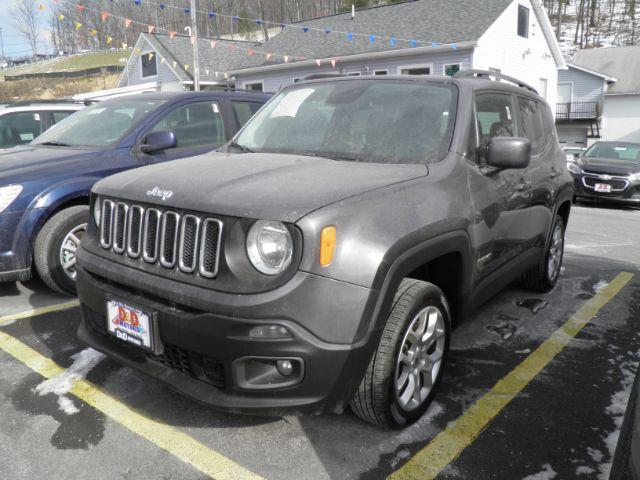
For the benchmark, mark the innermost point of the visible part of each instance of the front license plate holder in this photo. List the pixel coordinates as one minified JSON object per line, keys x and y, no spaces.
{"x":133,"y":325}
{"x":602,"y":188}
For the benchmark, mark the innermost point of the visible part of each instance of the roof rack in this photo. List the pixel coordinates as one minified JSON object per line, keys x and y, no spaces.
{"x":28,"y":103}
{"x":317,"y":76}
{"x":487,"y":74}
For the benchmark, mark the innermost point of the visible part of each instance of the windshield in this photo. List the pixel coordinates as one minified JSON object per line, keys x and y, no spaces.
{"x":362,"y":120}
{"x":99,"y":125}
{"x":615,"y":151}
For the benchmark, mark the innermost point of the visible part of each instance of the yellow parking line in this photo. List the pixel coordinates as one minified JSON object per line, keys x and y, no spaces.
{"x":7,"y":319}
{"x":450,"y":443}
{"x":179,"y":444}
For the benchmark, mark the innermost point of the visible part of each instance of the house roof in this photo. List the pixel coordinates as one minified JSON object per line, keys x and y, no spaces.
{"x":622,"y":63}
{"x":179,"y":49}
{"x":604,"y":76}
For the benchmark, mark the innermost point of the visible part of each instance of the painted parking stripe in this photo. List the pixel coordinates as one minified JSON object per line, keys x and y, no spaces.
{"x":7,"y":319}
{"x":449,"y":443}
{"x":179,"y":444}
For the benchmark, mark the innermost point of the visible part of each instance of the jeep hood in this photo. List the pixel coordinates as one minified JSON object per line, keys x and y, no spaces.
{"x":254,"y":185}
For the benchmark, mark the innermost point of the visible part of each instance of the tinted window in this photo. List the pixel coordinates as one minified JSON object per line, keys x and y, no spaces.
{"x":495,"y":117}
{"x":58,"y":116}
{"x":254,"y":87}
{"x":99,"y":125}
{"x":243,"y":111}
{"x":149,"y":66}
{"x":532,"y":126}
{"x":20,"y":128}
{"x":615,"y":151}
{"x":416,"y":71}
{"x":451,"y":70}
{"x":523,"y":21}
{"x":195,"y":125}
{"x":381,"y":121}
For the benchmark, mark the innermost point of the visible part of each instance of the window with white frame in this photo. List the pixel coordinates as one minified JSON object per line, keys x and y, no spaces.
{"x":381,"y":72}
{"x":426,"y":69}
{"x":353,"y":74}
{"x":254,"y":86}
{"x":148,"y":65}
{"x":450,"y":69}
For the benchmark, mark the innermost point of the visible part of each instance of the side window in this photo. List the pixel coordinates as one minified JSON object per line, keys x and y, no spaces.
{"x":532,"y":126}
{"x":243,"y":111}
{"x":58,"y":116}
{"x":495,"y":117}
{"x":20,"y":128}
{"x":195,"y":125}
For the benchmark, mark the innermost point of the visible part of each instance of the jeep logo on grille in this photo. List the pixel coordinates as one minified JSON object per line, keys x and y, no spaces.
{"x":158,"y":192}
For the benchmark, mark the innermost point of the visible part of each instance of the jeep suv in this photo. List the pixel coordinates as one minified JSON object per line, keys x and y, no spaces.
{"x":322,"y":259}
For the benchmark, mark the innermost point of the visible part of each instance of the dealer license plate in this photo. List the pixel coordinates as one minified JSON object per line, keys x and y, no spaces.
{"x":603,"y":188}
{"x":130,"y":324}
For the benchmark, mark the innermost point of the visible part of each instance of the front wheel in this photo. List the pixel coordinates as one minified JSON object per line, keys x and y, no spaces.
{"x":406,"y":368}
{"x":544,"y":276}
{"x":55,"y":248}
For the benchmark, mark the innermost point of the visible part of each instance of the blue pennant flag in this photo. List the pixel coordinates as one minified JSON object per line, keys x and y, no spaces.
{"x":212,"y":14}
{"x":327,"y":31}
{"x":259,"y":22}
{"x":413,"y":43}
{"x":283,"y":25}
{"x":434,"y":44}
{"x":454,"y":46}
{"x":372,"y":38}
{"x":235,"y":19}
{"x":350,"y":36}
{"x":305,"y":29}
{"x":162,"y":6}
{"x":187,"y":10}
{"x":137,"y":2}
{"x":392,"y":42}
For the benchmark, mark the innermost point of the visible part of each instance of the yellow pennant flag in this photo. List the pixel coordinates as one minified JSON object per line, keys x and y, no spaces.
{"x":109,"y":39}
{"x":124,"y":46}
{"x":78,"y":25}
{"x":138,"y":50}
{"x":186,"y":68}
{"x":150,"y":56}
{"x":41,"y":7}
{"x":61,"y":17}
{"x":93,"y":32}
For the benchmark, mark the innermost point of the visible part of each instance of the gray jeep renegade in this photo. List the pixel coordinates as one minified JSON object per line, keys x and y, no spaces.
{"x":322,"y":259}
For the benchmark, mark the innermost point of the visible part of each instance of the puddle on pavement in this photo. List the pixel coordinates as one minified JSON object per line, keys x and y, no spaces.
{"x":505,"y":330}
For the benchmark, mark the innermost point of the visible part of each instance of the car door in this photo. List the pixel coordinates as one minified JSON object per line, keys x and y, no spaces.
{"x":19,"y":128}
{"x":500,"y":197}
{"x":538,"y":130}
{"x":198,"y":127}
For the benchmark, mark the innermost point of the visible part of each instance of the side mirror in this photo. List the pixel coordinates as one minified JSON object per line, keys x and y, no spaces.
{"x":509,"y":152}
{"x":160,"y":140}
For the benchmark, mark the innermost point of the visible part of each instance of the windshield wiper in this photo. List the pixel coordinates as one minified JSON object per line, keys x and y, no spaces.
{"x":237,"y":146}
{"x":53,"y":143}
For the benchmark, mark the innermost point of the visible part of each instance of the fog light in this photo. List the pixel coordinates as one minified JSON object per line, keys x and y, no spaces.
{"x":269,"y":332}
{"x":284,"y":367}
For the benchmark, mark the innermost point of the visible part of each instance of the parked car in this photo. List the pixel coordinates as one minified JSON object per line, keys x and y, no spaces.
{"x":573,"y":153}
{"x":44,"y":186}
{"x":608,"y":171}
{"x":22,"y":122}
{"x":322,"y":258}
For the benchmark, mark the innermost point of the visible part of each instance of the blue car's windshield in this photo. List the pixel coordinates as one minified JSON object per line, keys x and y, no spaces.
{"x":388,"y":121}
{"x":99,"y":125}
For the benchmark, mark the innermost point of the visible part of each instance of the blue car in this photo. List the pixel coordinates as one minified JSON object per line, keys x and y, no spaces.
{"x":44,"y":186}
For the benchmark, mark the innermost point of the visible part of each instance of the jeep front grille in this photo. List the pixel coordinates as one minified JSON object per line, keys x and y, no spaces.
{"x":187,"y":242}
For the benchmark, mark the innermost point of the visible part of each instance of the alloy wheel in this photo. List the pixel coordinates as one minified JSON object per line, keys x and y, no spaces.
{"x":556,"y":249}
{"x":69,"y":248}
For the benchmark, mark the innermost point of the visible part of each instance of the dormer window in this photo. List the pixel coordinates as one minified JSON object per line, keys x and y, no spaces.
{"x":523,"y":21}
{"x":149,"y":65}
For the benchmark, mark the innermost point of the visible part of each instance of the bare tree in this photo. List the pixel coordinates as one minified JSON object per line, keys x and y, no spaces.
{"x":26,"y":20}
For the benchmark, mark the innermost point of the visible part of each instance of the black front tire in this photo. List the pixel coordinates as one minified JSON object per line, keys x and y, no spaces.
{"x":543,"y":277}
{"x":377,"y":399}
{"x":48,"y":246}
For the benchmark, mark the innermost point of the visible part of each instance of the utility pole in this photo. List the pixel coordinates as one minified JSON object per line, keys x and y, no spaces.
{"x":194,"y":32}
{"x":1,"y":44}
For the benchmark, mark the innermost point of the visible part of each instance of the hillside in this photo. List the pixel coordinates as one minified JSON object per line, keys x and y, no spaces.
{"x":71,"y":63}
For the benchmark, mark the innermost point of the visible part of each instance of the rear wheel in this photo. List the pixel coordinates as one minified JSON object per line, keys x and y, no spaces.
{"x":544,"y":276}
{"x":55,"y":248}
{"x":407,"y":366}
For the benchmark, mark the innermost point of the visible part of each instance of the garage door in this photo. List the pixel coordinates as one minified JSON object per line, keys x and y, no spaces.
{"x":572,"y":136}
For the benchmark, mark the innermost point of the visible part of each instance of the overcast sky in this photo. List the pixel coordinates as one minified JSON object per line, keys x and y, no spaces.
{"x":16,"y":45}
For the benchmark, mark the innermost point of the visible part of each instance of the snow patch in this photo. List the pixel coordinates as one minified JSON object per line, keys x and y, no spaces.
{"x":401,"y":455}
{"x":584,"y":470}
{"x":526,"y":350}
{"x":60,"y":385}
{"x":600,"y":285}
{"x":547,"y":473}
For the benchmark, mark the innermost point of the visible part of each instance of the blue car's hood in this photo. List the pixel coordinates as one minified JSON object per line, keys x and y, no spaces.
{"x":24,"y":163}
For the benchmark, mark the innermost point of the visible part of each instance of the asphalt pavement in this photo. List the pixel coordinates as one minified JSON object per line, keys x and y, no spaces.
{"x":535,"y":388}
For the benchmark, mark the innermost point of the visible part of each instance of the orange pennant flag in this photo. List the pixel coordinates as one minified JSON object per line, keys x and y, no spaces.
{"x":80,"y":8}
{"x":104,"y":15}
{"x":318,"y":62}
{"x":250,"y":52}
{"x":269,"y":55}
{"x":150,"y":28}
{"x":172,"y":35}
{"x":333,"y":63}
{"x":286,"y":59}
{"x":193,"y":40}
{"x":127,"y":22}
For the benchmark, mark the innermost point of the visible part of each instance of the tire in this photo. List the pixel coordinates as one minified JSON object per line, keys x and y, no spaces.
{"x":378,"y":399}
{"x":544,"y":276}
{"x":48,"y":248}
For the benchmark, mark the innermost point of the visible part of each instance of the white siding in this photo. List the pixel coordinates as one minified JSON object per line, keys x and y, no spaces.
{"x":132,"y":75}
{"x":273,"y":81}
{"x":621,"y":118}
{"x":501,"y":47}
{"x":586,"y":87}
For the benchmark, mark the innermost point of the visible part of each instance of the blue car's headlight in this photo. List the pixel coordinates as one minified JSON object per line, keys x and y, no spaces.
{"x":8,"y":194}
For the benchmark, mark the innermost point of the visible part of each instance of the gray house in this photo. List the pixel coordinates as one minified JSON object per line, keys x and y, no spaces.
{"x":415,"y":37}
{"x":581,"y":95}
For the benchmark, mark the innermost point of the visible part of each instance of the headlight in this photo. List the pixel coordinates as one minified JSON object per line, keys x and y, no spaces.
{"x":574,"y":168}
{"x":97,"y":210}
{"x":269,"y":246}
{"x":635,"y":177}
{"x":8,"y":194}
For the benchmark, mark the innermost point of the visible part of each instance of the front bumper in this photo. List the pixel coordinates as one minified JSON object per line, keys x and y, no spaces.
{"x":14,"y":261}
{"x":623,"y":190}
{"x":203,"y":346}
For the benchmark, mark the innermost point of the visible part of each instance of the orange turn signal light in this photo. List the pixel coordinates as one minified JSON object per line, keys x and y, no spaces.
{"x":327,"y":245}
